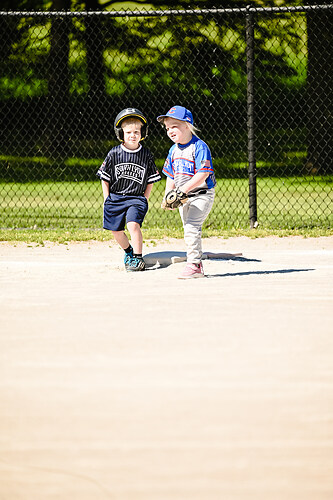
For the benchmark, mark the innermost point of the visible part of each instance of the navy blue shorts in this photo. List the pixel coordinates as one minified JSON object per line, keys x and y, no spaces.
{"x":120,"y":209}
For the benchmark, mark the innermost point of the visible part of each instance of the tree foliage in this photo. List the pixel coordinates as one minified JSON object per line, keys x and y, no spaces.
{"x":198,"y":58}
{"x":113,"y":55}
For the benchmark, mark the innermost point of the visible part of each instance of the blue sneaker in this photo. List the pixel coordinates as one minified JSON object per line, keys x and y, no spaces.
{"x":128,"y":257}
{"x":135,"y":264}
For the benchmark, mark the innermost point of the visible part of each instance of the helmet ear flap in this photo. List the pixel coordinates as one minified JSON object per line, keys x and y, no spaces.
{"x":144,"y":131}
{"x":120,"y":134}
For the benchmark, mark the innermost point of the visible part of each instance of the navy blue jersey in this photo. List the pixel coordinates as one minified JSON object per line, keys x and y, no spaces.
{"x":128,"y":172}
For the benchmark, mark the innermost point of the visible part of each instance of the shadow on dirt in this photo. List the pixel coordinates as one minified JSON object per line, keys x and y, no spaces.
{"x":157,"y":260}
{"x":248,"y":273}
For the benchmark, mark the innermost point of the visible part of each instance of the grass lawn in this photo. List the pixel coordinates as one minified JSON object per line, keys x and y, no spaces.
{"x":287,"y":204}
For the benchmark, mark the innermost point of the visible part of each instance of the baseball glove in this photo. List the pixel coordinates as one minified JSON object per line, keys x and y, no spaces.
{"x":173,"y":199}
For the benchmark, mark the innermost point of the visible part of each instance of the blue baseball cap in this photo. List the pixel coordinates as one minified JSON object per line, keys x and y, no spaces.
{"x":179,"y":113}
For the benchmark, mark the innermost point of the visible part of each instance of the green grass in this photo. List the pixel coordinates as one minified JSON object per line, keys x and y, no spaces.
{"x":73,"y":210}
{"x":64,"y":236}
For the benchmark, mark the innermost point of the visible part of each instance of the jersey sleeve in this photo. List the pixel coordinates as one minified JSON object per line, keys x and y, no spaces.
{"x":103,"y":173}
{"x":153,"y":173}
{"x":203,"y":159}
{"x":204,"y":164}
{"x":167,"y":167}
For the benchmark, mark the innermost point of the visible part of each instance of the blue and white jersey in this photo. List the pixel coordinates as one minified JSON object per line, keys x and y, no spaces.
{"x":128,"y":172}
{"x":185,"y":160}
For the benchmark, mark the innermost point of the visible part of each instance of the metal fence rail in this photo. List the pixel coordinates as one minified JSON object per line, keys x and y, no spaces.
{"x":259,"y":82}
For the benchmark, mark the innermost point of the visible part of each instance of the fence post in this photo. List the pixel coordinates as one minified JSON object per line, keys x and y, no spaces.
{"x":250,"y":118}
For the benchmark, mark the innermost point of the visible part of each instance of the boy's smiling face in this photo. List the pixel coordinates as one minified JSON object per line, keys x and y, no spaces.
{"x":132,"y":134}
{"x":177,"y":130}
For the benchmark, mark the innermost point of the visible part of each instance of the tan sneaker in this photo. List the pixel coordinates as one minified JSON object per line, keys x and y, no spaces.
{"x":192,"y":271}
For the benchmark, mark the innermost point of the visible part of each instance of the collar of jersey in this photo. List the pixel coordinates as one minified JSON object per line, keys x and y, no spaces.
{"x":131,"y":150}
{"x":183,"y":146}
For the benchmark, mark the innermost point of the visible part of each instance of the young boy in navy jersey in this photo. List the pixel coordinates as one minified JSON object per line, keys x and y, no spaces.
{"x":127,"y":175}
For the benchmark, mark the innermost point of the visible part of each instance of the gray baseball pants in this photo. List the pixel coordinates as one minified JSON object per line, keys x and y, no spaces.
{"x":193,"y":214}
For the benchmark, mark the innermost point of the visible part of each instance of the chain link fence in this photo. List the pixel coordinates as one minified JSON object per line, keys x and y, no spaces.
{"x":258,"y":81}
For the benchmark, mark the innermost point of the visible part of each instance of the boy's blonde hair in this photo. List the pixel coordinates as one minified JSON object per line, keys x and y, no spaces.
{"x":131,"y":120}
{"x":193,"y":129}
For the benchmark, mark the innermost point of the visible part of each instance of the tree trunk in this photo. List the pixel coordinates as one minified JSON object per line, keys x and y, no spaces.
{"x":94,"y":46}
{"x":58,"y":89}
{"x":320,"y":91}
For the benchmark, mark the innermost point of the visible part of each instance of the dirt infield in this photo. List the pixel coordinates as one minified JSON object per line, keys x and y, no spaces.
{"x":139,"y":386}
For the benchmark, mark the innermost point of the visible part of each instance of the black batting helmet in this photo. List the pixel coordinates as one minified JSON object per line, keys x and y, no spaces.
{"x":129,"y":113}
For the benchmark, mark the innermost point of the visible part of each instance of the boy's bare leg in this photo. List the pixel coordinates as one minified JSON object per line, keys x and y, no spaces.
{"x":136,"y":236}
{"x":121,"y":239}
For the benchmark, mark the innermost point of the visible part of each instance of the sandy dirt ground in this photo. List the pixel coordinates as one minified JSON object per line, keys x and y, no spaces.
{"x":140,"y":386}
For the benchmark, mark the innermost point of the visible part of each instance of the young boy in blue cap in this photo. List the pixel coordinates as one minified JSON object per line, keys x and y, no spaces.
{"x":189,"y":168}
